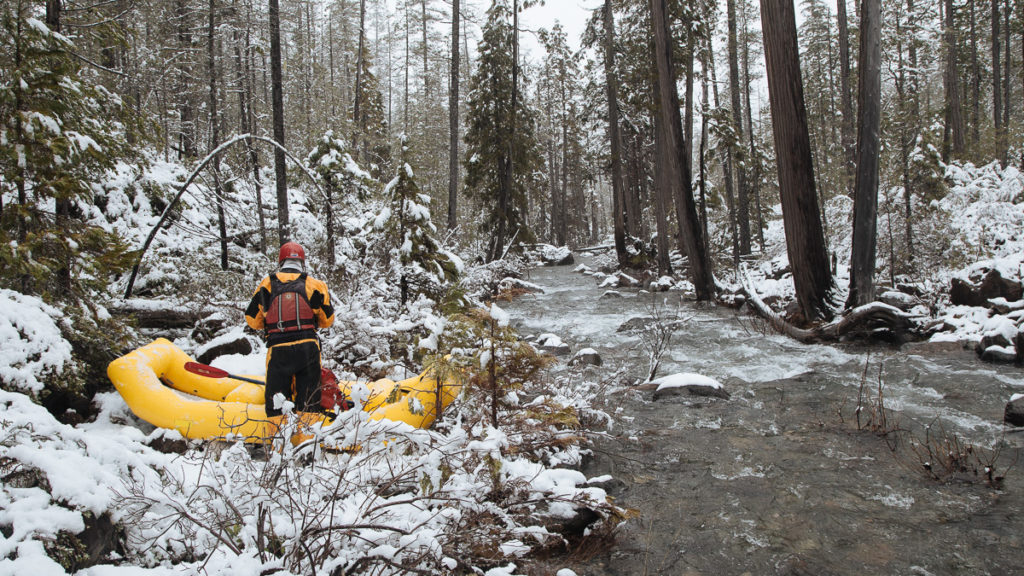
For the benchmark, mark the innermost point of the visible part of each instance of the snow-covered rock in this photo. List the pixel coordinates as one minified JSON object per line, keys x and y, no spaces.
{"x":982,"y":284}
{"x":586,"y":356}
{"x":688,"y":383}
{"x":551,"y":344}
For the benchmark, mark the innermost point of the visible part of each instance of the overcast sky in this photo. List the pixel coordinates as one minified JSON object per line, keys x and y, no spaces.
{"x":573,"y":15}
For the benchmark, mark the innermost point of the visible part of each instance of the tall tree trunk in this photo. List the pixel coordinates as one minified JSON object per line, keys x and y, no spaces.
{"x":755,"y":180}
{"x":997,"y":89}
{"x":614,"y":137}
{"x":672,"y":131}
{"x":805,"y":241}
{"x":953,"y":135}
{"x":906,"y":91}
{"x":63,"y":204}
{"x":211,"y":67}
{"x":357,"y":117}
{"x":408,"y":55}
{"x":277,"y":91}
{"x":244,"y":91}
{"x":426,"y":74}
{"x":662,"y":192}
{"x":975,"y":119}
{"x":186,"y":136}
{"x":680,"y":204}
{"x":563,"y":192}
{"x":507,"y":176}
{"x":845,"y":99}
{"x":724,"y":155}
{"x":743,"y":191}
{"x":1004,"y":151}
{"x":865,"y":200}
{"x":702,"y":179}
{"x":453,"y":122}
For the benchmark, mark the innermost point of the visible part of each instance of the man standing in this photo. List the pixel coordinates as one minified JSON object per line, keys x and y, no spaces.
{"x":290,"y":306}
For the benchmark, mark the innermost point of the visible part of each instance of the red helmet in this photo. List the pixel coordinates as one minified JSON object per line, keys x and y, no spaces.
{"x":291,"y":250}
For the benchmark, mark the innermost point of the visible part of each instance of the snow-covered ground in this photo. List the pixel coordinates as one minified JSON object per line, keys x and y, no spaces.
{"x":436,"y":499}
{"x":465,"y":495}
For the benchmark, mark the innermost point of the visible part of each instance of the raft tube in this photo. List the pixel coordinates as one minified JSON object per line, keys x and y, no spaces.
{"x":155,"y":385}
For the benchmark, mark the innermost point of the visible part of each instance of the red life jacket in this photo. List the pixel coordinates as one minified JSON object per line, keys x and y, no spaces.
{"x":289,"y":309}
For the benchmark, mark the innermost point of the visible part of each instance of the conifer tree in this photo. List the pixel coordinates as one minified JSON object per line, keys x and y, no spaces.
{"x":501,"y":148}
{"x":56,"y":139}
{"x":344,"y":181}
{"x":418,"y":262}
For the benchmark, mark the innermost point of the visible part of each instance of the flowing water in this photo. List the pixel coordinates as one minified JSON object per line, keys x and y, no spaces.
{"x":778,"y":479}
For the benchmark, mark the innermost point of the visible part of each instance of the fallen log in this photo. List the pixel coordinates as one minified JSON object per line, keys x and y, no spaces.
{"x":161,"y":314}
{"x":864,"y":320}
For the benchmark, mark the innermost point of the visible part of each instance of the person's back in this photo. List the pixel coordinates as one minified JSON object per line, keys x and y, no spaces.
{"x":289,"y":306}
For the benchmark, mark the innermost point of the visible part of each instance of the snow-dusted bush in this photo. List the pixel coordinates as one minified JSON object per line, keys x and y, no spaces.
{"x":33,"y":351}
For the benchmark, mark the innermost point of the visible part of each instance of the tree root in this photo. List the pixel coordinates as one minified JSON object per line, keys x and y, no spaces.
{"x":867,"y":320}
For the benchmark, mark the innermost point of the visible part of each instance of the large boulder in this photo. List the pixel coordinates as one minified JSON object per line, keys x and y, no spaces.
{"x":982,"y":286}
{"x":1014,"y":412}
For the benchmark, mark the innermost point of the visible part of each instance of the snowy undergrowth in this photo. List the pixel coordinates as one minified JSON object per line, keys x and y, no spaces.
{"x":464,"y":497}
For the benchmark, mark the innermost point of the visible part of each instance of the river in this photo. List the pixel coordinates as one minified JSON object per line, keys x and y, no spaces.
{"x":778,"y":479}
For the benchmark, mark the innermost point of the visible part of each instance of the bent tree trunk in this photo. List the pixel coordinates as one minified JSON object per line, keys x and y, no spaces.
{"x":863,"y":321}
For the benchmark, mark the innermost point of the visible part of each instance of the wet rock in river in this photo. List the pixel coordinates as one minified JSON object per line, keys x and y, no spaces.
{"x":551,"y":344}
{"x":635,"y":324}
{"x":1013,"y":414}
{"x":688,"y":384}
{"x":999,"y":354}
{"x":587,"y":356}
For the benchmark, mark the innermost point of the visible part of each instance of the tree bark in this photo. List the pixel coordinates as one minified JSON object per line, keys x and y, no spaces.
{"x":614,"y":137}
{"x":453,"y":122}
{"x":845,"y":98}
{"x":357,"y":103}
{"x":672,"y":132}
{"x":186,"y":136}
{"x":505,"y":194}
{"x":743,"y":189}
{"x":805,"y":241}
{"x":244,"y":91}
{"x":865,"y":200}
{"x":997,"y":89}
{"x":755,"y":180}
{"x":953,"y":135}
{"x":975,"y":117}
{"x":662,"y":186}
{"x":211,"y":65}
{"x":277,"y":92}
{"x":724,"y":155}
{"x":1004,"y":151}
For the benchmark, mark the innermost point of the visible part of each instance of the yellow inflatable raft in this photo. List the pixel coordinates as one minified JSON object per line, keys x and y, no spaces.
{"x":156,"y":386}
